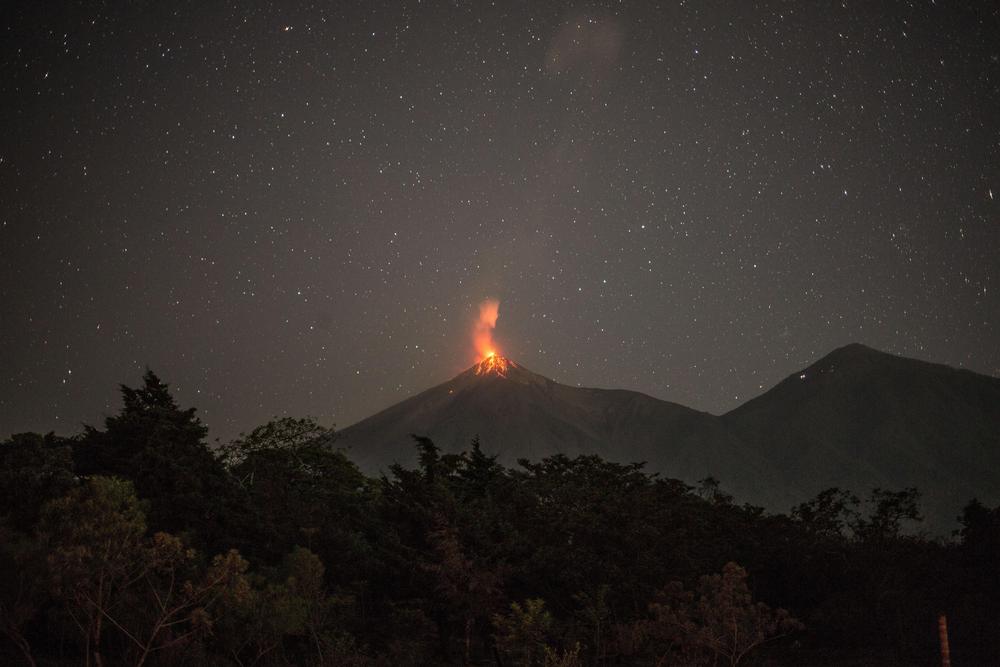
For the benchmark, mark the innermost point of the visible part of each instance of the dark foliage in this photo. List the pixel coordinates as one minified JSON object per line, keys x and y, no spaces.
{"x":139,"y":544}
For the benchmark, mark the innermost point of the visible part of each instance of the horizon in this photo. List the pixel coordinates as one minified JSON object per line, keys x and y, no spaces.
{"x":299,"y":210}
{"x":111,"y":405}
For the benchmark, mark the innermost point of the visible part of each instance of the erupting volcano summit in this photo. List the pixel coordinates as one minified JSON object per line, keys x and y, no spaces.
{"x":494,"y":364}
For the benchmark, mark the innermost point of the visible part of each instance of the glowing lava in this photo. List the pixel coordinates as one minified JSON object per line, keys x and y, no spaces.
{"x":494,"y":364}
{"x":488,"y":360}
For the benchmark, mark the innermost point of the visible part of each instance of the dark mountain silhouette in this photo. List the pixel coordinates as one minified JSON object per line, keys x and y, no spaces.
{"x":519,"y":414}
{"x":857,"y":419}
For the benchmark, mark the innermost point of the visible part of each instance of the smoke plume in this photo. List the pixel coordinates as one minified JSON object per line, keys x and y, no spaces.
{"x":482,"y":330}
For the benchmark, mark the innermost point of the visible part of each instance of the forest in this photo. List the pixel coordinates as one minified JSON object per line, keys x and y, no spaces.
{"x":140,"y":542}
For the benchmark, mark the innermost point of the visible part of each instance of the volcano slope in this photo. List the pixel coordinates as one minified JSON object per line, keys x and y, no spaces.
{"x":859,"y":419}
{"x":517,"y":414}
{"x":856,"y":419}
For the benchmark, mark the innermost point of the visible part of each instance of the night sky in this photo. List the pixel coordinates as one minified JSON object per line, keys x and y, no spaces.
{"x":296,"y":210}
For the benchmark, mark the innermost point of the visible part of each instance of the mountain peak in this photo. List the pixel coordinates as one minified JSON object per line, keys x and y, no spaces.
{"x":856,"y":350}
{"x":498,"y":367}
{"x":861,"y":359}
{"x":852,"y":354}
{"x":494,"y":364}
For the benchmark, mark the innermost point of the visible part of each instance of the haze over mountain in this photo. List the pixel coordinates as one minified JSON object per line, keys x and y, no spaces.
{"x":857,"y":419}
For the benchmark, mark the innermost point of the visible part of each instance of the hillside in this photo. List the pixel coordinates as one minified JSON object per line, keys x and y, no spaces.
{"x":520,"y":414}
{"x":860,"y":418}
{"x":857,"y":419}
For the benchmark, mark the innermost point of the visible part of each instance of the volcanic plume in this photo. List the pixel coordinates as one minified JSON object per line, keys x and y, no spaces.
{"x":482,"y":329}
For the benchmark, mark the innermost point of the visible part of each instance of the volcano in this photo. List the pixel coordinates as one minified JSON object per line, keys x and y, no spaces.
{"x":517,"y":414}
{"x":858,"y":419}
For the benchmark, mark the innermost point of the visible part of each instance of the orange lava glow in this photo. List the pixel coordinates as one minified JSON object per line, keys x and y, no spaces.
{"x":482,"y":329}
{"x":493,"y":364}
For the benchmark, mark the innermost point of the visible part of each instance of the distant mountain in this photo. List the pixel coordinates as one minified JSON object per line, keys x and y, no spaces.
{"x":519,"y":414}
{"x":857,"y":419}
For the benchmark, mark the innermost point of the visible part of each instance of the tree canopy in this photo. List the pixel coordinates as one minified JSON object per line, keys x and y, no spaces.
{"x":140,"y":544}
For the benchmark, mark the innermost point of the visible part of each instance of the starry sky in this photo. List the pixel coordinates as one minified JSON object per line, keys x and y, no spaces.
{"x":296,"y":208}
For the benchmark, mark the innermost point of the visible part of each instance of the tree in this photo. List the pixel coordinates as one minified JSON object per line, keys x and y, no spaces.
{"x":286,"y":433}
{"x":977,"y":615}
{"x":710,"y":489}
{"x":889,"y":509}
{"x":33,"y":470}
{"x":471,"y":589}
{"x":829,"y":513}
{"x":584,"y":523}
{"x":429,"y":456}
{"x":522,"y":633}
{"x":289,"y":604}
{"x":523,"y":637}
{"x":149,"y":416}
{"x":22,"y":587}
{"x":95,"y":535}
{"x":299,"y":490}
{"x":161,"y":448}
{"x":718,"y":622}
{"x":171,"y":609}
{"x":109,"y":574}
{"x":594,"y":611}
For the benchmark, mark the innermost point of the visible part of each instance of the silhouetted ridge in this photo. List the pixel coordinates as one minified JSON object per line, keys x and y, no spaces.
{"x":860,"y":418}
{"x":522,"y":414}
{"x":857,"y":418}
